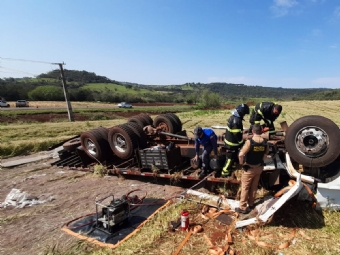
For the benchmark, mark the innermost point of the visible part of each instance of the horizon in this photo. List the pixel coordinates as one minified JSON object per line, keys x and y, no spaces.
{"x":111,"y":81}
{"x":272,"y":43}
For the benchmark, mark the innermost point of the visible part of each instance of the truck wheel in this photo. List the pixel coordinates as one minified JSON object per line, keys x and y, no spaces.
{"x":95,"y":144}
{"x":144,"y":120}
{"x":142,"y":143}
{"x":164,"y":123}
{"x":313,"y":141}
{"x":137,"y":121}
{"x":147,"y":118}
{"x":177,"y":124}
{"x":178,"y":121}
{"x":123,"y":141}
{"x":72,"y":145}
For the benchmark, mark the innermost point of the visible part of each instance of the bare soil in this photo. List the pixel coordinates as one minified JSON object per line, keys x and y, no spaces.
{"x":69,"y":194}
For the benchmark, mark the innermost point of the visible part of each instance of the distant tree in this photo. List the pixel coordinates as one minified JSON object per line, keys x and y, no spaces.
{"x":209,"y":100}
{"x":46,"y":93}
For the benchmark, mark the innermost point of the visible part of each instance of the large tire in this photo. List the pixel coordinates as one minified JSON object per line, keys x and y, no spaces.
{"x":72,"y":144}
{"x":178,"y":121}
{"x":144,"y":120}
{"x":173,"y":121}
{"x":313,"y":141}
{"x":142,"y":143}
{"x":123,"y":141}
{"x":164,"y":123}
{"x":147,"y":118}
{"x":95,"y":144}
{"x":137,"y":120}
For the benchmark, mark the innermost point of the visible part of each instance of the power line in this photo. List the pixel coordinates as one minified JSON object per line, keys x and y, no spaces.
{"x":26,"y":60}
{"x":17,"y":71}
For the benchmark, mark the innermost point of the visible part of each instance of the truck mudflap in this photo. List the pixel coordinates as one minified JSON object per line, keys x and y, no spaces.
{"x":270,"y":206}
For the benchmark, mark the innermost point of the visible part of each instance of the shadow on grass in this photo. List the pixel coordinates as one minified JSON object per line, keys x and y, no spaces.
{"x":298,"y":214}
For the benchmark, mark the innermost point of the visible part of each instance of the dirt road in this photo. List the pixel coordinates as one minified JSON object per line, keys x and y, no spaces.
{"x":68,"y":194}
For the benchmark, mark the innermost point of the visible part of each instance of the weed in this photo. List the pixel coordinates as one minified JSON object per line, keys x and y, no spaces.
{"x":100,"y":170}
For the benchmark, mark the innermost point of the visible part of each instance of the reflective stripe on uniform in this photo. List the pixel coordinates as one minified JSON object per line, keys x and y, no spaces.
{"x":259,"y":112}
{"x":257,"y":122}
{"x":234,"y":130}
{"x":225,"y":168}
{"x":232,"y":144}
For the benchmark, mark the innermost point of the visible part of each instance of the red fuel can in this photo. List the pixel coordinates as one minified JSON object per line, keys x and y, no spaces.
{"x":184,"y":220}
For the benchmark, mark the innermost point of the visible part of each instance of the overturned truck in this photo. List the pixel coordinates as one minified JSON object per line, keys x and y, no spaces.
{"x":309,"y":149}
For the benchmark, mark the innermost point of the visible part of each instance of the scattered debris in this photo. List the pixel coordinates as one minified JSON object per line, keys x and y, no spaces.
{"x":20,"y":199}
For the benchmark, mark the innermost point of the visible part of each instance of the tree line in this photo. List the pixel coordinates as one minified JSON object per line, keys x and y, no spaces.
{"x":47,"y":87}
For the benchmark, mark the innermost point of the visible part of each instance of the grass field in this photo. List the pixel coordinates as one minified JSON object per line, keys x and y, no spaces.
{"x":154,"y":238}
{"x":17,"y":139}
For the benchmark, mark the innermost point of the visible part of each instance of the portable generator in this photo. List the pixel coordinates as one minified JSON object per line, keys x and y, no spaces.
{"x":113,"y":215}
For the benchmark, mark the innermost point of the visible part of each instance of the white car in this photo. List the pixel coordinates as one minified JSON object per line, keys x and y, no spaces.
{"x":4,"y":104}
{"x":22,"y":103}
{"x":124,"y":105}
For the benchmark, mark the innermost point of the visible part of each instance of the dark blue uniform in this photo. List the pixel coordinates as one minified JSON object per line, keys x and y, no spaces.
{"x":209,"y":143}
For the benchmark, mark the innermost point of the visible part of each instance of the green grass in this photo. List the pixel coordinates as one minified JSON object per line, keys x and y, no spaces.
{"x":23,"y":138}
{"x":115,"y":88}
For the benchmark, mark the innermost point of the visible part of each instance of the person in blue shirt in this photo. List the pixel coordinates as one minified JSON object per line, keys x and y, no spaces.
{"x":208,"y":139}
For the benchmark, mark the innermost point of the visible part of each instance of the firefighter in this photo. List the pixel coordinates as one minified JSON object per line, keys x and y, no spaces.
{"x":233,"y":139}
{"x":266,"y":111}
{"x":251,"y":156}
{"x":208,"y":139}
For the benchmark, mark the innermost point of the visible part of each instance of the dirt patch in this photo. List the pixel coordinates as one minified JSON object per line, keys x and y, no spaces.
{"x":69,"y":194}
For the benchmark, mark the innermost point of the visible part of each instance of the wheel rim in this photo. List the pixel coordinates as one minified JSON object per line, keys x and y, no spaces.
{"x":90,"y":147}
{"x":312,"y":141}
{"x":164,"y":127}
{"x":119,"y":143}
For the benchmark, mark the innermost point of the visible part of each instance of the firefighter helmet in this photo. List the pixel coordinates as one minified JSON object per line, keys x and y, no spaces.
{"x":242,"y":109}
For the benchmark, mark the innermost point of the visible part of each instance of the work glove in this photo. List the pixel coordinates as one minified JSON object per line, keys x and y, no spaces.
{"x":265,"y":129}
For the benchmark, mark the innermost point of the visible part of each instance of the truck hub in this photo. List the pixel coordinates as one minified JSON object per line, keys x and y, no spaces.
{"x":312,"y":141}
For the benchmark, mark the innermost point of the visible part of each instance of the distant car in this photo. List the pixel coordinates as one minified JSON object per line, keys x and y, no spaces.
{"x":124,"y":105}
{"x":4,"y":104}
{"x":22,"y":103}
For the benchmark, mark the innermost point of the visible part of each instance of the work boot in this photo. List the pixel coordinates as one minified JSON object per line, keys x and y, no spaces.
{"x":252,"y":207}
{"x":239,"y":210}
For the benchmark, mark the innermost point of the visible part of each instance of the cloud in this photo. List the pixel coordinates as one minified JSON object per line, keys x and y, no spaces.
{"x":327,"y":81}
{"x":281,"y":8}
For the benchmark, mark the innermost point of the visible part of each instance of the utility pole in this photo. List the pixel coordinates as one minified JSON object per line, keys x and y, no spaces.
{"x":68,"y":103}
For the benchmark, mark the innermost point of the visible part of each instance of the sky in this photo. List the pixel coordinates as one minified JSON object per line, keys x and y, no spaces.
{"x":271,"y":43}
